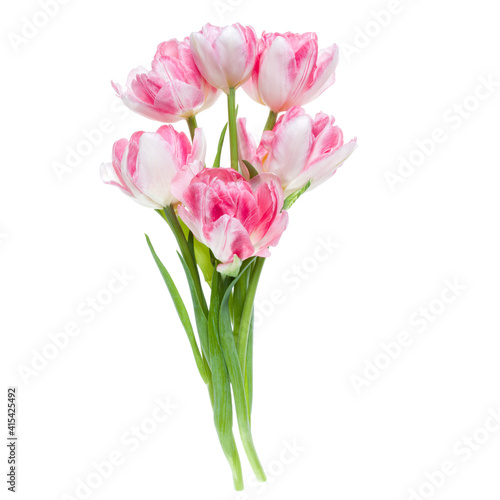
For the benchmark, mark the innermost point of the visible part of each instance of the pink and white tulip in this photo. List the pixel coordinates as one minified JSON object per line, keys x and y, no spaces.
{"x":299,"y":149}
{"x":290,"y":70}
{"x":225,"y":56}
{"x":145,"y":166}
{"x":235,"y":218}
{"x":172,"y":90}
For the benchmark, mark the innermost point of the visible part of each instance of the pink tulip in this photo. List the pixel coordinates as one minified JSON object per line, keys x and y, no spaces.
{"x":299,"y":149}
{"x":290,"y":71}
{"x":145,"y":167}
{"x":173,"y":90}
{"x":225,"y":56}
{"x":235,"y":218}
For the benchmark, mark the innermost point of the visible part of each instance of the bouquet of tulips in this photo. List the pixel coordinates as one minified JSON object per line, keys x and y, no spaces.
{"x":225,"y":217}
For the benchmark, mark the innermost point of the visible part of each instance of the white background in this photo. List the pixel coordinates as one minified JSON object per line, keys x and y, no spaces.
{"x":61,"y":240}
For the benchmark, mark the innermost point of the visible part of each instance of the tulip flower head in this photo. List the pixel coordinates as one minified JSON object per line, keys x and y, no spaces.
{"x":290,"y":70}
{"x":235,"y":218}
{"x":172,"y":90}
{"x":145,"y":166}
{"x":225,"y":56}
{"x":299,"y":149}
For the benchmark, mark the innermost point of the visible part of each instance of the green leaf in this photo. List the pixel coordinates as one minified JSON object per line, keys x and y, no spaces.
{"x":201,"y":319}
{"x":251,"y":169}
{"x":202,"y":254}
{"x":290,"y":200}
{"x":190,"y":241}
{"x":162,"y":214}
{"x":181,"y":311}
{"x":219,"y":149}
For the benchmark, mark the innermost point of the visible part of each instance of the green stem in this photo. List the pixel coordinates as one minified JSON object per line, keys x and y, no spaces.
{"x":271,"y":120}
{"x":233,"y":134}
{"x":246,"y":315}
{"x":229,"y":351}
{"x":210,"y":384}
{"x":221,"y":387}
{"x":249,"y":371}
{"x":192,"y":124}
{"x":239,"y":294}
{"x":173,"y":222}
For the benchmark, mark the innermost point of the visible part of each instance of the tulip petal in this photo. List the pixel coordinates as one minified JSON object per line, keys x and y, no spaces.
{"x":269,"y":195}
{"x":109,"y":176}
{"x":177,"y":97}
{"x":199,"y":149}
{"x":206,"y":61}
{"x":192,"y":223}
{"x":323,"y":168}
{"x":156,"y":167}
{"x":229,"y":238}
{"x":230,"y":268}
{"x":277,"y":74}
{"x":247,"y":148}
{"x":183,"y":178}
{"x":305,"y":60}
{"x":291,"y":149}
{"x":230,"y":47}
{"x":324,"y":76}
{"x":328,"y":139}
{"x":273,"y":236}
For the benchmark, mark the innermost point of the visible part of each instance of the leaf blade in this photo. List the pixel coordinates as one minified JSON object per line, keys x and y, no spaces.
{"x":291,"y":199}
{"x":181,"y":311}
